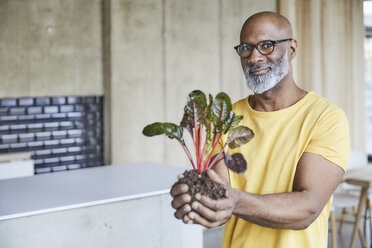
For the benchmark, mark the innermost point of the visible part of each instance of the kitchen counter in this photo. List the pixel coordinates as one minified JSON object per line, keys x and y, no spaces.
{"x":58,"y":191}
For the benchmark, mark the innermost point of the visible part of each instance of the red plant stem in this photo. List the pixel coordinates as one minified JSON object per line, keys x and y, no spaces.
{"x":215,"y":160}
{"x":200,"y":147}
{"x":216,"y":139}
{"x":187,"y":153}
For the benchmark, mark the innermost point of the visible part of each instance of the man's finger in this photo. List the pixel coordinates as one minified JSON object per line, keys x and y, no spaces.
{"x":197,"y":219}
{"x":215,"y":205}
{"x":215,"y":177}
{"x":182,"y":212}
{"x":180,"y":200}
{"x":179,"y":189}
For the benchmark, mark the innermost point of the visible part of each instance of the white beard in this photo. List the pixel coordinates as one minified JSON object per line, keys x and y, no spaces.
{"x":262,"y":83}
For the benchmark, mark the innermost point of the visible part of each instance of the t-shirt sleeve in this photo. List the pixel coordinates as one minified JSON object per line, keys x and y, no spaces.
{"x":330,"y":138}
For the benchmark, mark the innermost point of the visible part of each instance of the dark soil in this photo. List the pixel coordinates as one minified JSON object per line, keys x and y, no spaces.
{"x":202,"y":184}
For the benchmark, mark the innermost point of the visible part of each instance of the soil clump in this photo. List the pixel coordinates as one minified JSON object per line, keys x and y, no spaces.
{"x":202,"y":184}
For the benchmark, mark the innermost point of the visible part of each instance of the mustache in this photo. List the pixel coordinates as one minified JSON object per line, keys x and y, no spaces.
{"x":257,"y":67}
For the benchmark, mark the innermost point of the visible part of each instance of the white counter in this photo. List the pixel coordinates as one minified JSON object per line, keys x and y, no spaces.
{"x":84,"y":187}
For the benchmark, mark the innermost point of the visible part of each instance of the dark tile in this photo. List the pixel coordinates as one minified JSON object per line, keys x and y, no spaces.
{"x":17,"y":111}
{"x":59,"y":168}
{"x":79,"y":124}
{"x":59,"y":116}
{"x":35,"y":126}
{"x":79,"y":108}
{"x":42,"y":101}
{"x":59,"y":100}
{"x":35,"y":110}
{"x":18,"y":127}
{"x":9,"y":138}
{"x":74,"y":99}
{"x":26,"y":137}
{"x":43,"y":170}
{"x":51,"y":109}
{"x":51,"y":160}
{"x":59,"y":134}
{"x":11,"y":118}
{"x":51,"y":126}
{"x":73,"y":166}
{"x":75,"y":133}
{"x":75,"y":115}
{"x":67,"y":141}
{"x":26,"y":118}
{"x":4,"y":111}
{"x":38,"y":162}
{"x":9,"y":102}
{"x":66,"y":124}
{"x":43,"y":136}
{"x":80,"y":157}
{"x":18,"y":146}
{"x":92,"y":107}
{"x":51,"y":143}
{"x":26,"y":101}
{"x":67,"y":158}
{"x":4,"y":148}
{"x":45,"y":152}
{"x":89,"y":99}
{"x":74,"y":149}
{"x":66,"y":108}
{"x":43,"y":116}
{"x":79,"y":141}
{"x":59,"y":150}
{"x":4,"y":128}
{"x":35,"y":144}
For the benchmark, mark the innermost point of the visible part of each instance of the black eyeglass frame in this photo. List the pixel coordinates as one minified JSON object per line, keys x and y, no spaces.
{"x":274,"y":42}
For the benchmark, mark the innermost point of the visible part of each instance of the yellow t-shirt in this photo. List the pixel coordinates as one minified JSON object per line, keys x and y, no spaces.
{"x":313,"y":125}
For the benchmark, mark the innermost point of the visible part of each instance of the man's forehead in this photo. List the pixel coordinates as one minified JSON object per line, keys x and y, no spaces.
{"x":256,"y":32}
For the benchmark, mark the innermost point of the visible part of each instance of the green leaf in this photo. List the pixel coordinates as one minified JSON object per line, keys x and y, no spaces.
{"x":235,"y":162}
{"x":194,"y":111}
{"x":236,"y":120}
{"x":169,"y":129}
{"x":221,"y":112}
{"x":239,"y":136}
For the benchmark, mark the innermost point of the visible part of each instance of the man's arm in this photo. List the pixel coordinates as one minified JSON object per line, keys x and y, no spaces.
{"x":315,"y":181}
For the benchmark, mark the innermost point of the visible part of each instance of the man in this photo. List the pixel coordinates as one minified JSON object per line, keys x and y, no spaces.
{"x":295,"y":161}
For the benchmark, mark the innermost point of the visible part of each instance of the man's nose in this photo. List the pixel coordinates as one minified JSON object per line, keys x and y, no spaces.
{"x":255,"y":57}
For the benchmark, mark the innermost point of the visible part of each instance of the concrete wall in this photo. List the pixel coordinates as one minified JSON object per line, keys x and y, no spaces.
{"x":145,"y":56}
{"x":50,"y":47}
{"x":129,"y":223}
{"x":162,"y":50}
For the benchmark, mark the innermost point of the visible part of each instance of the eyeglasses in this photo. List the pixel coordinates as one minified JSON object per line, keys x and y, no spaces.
{"x":264,"y":47}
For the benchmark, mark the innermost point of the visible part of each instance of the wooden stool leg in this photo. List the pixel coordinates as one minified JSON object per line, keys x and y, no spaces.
{"x":333,"y":229}
{"x":341,"y":221}
{"x":361,"y":236}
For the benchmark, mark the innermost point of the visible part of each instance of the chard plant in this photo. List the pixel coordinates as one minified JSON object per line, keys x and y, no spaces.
{"x":206,"y":123}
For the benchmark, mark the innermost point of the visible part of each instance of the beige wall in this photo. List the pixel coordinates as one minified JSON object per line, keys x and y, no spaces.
{"x":50,"y":47}
{"x":145,"y":56}
{"x":161,"y":50}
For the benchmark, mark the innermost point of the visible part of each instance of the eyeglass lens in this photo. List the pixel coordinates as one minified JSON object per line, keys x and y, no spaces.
{"x":264,"y":47}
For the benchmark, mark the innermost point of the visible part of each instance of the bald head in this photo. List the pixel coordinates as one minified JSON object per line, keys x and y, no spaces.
{"x":267,"y":24}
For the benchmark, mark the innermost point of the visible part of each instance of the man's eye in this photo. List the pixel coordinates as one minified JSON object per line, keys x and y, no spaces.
{"x":246,"y":48}
{"x":266,"y":45}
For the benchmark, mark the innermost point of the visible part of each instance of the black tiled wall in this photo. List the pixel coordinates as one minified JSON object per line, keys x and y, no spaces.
{"x":61,"y":133}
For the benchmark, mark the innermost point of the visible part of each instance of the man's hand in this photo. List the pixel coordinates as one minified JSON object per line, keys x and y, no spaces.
{"x":211,"y":213}
{"x":181,"y":201}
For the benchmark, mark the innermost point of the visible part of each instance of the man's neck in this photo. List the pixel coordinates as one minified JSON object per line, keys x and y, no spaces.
{"x":282,"y":96}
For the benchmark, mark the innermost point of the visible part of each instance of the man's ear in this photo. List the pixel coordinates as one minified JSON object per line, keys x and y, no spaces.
{"x":292,"y":49}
